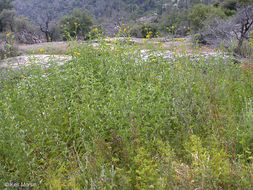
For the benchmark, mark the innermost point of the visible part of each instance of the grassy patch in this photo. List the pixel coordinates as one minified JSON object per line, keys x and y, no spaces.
{"x":53,"y":48}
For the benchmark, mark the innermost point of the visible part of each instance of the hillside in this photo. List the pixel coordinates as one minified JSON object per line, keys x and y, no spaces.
{"x":109,"y":9}
{"x":99,"y":8}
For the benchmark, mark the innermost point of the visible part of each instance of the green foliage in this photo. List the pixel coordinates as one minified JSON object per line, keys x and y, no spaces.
{"x":175,"y":17}
{"x":7,"y":20}
{"x":230,"y":5}
{"x":142,"y":30}
{"x":7,"y":47}
{"x":209,"y":165}
{"x":5,"y":4}
{"x":77,"y":24}
{"x":6,"y":17}
{"x":114,"y":9}
{"x":201,"y":13}
{"x":149,"y":29}
{"x":110,"y":119}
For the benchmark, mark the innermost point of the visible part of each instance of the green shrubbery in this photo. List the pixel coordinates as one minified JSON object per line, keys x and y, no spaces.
{"x":7,"y":47}
{"x":77,"y":24}
{"x":111,"y":120}
{"x":201,"y":13}
{"x":142,"y":30}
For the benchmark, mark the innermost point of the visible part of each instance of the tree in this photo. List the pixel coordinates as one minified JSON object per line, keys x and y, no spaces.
{"x":5,"y":15}
{"x":44,"y":27}
{"x":7,"y":20}
{"x":243,"y":23}
{"x":76,"y":24}
{"x":5,"y":4}
{"x":200,"y":13}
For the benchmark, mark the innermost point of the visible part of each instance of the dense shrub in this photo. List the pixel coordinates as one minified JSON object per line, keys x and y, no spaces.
{"x":175,"y":17}
{"x":230,"y":5}
{"x":7,"y":20}
{"x":76,"y":24}
{"x":142,"y":30}
{"x":7,"y":47}
{"x":201,"y":13}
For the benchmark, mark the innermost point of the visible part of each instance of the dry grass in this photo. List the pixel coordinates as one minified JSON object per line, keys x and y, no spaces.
{"x":52,"y":48}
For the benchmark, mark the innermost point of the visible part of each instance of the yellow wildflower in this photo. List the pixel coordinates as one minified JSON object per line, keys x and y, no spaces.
{"x":8,"y":35}
{"x":184,"y":27}
{"x":95,"y":30}
{"x":175,"y":53}
{"x":153,"y":60}
{"x":182,"y":44}
{"x":130,"y":38}
{"x":108,"y":38}
{"x":173,"y":27}
{"x":123,"y":24}
{"x":150,"y":32}
{"x":75,"y":23}
{"x":125,"y":29}
{"x":120,"y":30}
{"x":148,"y":36}
{"x":42,"y":50}
{"x":143,"y":39}
{"x":188,"y":28}
{"x":76,"y":53}
{"x":180,"y":67}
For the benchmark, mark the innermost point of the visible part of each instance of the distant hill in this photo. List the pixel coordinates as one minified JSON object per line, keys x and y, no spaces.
{"x":109,"y":9}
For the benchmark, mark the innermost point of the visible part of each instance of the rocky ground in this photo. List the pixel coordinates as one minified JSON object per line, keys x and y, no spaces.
{"x":46,"y":53}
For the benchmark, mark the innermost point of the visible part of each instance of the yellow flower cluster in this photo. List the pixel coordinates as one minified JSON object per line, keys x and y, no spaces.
{"x":188,"y":28}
